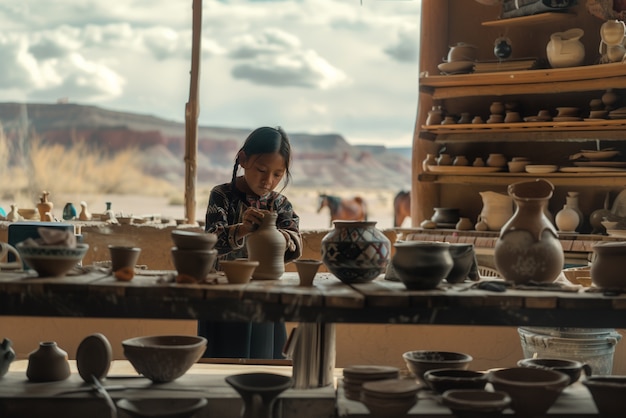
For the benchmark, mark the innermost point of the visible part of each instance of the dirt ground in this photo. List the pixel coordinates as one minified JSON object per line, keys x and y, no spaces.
{"x":305,"y":202}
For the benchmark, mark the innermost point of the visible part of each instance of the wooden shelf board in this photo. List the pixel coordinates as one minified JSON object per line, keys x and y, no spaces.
{"x":538,"y":19}
{"x":609,"y":179}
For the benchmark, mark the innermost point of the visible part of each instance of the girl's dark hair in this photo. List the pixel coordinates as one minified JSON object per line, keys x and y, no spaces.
{"x":266,"y":140}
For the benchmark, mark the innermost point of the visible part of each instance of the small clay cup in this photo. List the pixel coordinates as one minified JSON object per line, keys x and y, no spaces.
{"x":307,"y":269}
{"x":123,"y":256}
{"x":238,"y":271}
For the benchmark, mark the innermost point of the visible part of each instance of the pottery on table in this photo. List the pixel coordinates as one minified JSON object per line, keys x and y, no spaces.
{"x":497,"y":209}
{"x":7,"y":355}
{"x":192,"y":240}
{"x":267,"y":246}
{"x":463,"y":259}
{"x":567,"y":219}
{"x":420,"y":361}
{"x":162,"y":408}
{"x":123,"y":256}
{"x":45,"y":207}
{"x":422,"y":265}
{"x":51,"y":260}
{"x":476,"y":403}
{"x":528,"y":248}
{"x":572,"y":368}
{"x":608,"y":393}
{"x":441,"y":380}
{"x":565,"y":48}
{"x":48,"y":363}
{"x":355,"y":376}
{"x":163,"y":358}
{"x":307,"y":269}
{"x":239,"y":270}
{"x":196,"y":265}
{"x":608,"y":265}
{"x":259,"y":392}
{"x":532,"y":391}
{"x":93,"y":357}
{"x":389,"y":398}
{"x":355,"y":251}
{"x":84,"y":214}
{"x":5,"y":250}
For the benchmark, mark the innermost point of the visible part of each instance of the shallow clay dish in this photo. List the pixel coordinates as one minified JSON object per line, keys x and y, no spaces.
{"x":93,"y":357}
{"x":51,"y":260}
{"x":238,"y":271}
{"x":191,"y":240}
{"x":163,"y":408}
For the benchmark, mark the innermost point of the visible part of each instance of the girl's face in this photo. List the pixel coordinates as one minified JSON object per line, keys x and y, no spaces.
{"x":263,"y":172}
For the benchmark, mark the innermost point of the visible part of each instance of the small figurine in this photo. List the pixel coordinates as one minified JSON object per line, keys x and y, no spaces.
{"x":84,"y":215}
{"x":13,"y":215}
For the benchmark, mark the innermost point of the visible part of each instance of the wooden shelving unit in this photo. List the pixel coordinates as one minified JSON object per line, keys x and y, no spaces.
{"x":538,"y":19}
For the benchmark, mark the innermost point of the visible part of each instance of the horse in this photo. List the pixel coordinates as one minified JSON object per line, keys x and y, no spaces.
{"x":401,"y":207}
{"x":352,"y":209}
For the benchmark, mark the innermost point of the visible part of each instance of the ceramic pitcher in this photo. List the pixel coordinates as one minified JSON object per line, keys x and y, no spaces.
{"x":497,"y":209}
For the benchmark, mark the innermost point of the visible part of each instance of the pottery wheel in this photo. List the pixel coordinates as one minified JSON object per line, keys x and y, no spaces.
{"x":93,"y":357}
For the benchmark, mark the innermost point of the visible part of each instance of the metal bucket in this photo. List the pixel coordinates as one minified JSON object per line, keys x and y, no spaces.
{"x":591,"y":346}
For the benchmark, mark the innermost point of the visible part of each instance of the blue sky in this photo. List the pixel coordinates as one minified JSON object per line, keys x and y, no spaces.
{"x":315,"y":66}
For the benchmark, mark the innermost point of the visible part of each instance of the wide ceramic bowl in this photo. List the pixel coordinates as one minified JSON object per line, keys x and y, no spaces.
{"x":239,"y":270}
{"x":441,"y":380}
{"x":608,"y":394}
{"x":163,"y":358}
{"x":532,"y":391}
{"x":51,"y":260}
{"x":475,"y":403}
{"x":192,"y":240}
{"x":572,"y":368}
{"x":420,"y":361}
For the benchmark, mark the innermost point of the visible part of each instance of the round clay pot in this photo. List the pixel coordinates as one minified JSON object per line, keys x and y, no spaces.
{"x":48,"y":363}
{"x":420,"y":361}
{"x":476,"y":403}
{"x":238,"y":271}
{"x":422,"y":265}
{"x":93,"y":357}
{"x":197,"y":264}
{"x":447,"y":216}
{"x":608,"y":265}
{"x":464,"y":258}
{"x":123,"y":256}
{"x":441,"y":380}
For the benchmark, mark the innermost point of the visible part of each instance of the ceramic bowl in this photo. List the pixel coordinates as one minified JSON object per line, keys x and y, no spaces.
{"x":572,"y":368}
{"x":464,"y":259}
{"x":191,"y":240}
{"x":239,"y":270}
{"x":475,"y":403}
{"x":171,"y":408}
{"x":197,"y":264}
{"x":441,"y":380}
{"x":608,"y":264}
{"x":541,"y":168}
{"x":307,"y":269}
{"x":163,"y":358}
{"x":608,"y":393}
{"x":422,"y":265}
{"x":51,"y":260}
{"x":420,"y":361}
{"x":532,"y":391}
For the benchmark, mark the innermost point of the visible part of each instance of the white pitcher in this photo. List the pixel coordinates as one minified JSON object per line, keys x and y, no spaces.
{"x":565,"y":48}
{"x":497,"y":209}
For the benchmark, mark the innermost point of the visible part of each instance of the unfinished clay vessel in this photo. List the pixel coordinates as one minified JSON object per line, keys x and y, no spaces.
{"x":267,"y":246}
{"x":48,"y":363}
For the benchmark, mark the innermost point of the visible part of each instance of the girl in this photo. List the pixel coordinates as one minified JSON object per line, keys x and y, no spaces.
{"x":235,"y":211}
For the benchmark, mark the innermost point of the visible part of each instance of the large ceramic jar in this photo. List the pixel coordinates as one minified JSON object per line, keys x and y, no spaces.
{"x":528,"y":248}
{"x":356,"y":251}
{"x":48,"y":363}
{"x":267,"y":246}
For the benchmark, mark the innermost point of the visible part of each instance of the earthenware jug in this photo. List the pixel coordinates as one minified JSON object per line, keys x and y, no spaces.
{"x":48,"y":363}
{"x":267,"y":246}
{"x":7,"y":355}
{"x":259,"y":392}
{"x":528,"y":248}
{"x":497,"y":209}
{"x":565,"y":48}
{"x":355,"y":251}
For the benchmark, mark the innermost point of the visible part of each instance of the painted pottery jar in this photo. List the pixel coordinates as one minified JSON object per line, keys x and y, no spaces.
{"x":422,"y":265}
{"x":7,"y":355}
{"x":267,"y":246}
{"x":356,"y":251}
{"x":528,"y":248}
{"x":48,"y":363}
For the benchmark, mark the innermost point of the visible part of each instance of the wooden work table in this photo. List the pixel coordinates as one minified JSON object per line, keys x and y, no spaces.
{"x":151,"y":295}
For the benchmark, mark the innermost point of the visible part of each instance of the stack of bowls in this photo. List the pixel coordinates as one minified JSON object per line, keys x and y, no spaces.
{"x":389,"y":397}
{"x":355,"y":376}
{"x":193,"y":254}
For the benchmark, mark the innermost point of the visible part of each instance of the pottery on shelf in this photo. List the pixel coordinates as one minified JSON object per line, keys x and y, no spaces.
{"x":422,"y":265}
{"x":307,"y":269}
{"x":430,"y":159}
{"x":435,"y":116}
{"x":48,"y":363}
{"x":460,"y":161}
{"x":496,"y":160}
{"x":574,"y":369}
{"x":84,"y":214}
{"x":267,"y":246}
{"x":464,"y":224}
{"x":496,"y":211}
{"x":567,"y":219}
{"x":565,"y":48}
{"x":420,"y":361}
{"x":259,"y":392}
{"x":445,"y":216}
{"x":45,"y":207}
{"x":444,"y":159}
{"x":608,"y":265}
{"x":355,"y":251}
{"x":476,"y":403}
{"x":608,"y":393}
{"x":571,"y":200}
{"x":7,"y":355}
{"x":528,"y":248}
{"x":166,"y":408}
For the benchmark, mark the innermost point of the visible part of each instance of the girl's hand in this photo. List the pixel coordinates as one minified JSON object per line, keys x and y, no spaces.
{"x":252,"y":218}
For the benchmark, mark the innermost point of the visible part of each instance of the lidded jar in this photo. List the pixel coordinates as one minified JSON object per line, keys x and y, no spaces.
{"x":356,"y":251}
{"x":267,"y":246}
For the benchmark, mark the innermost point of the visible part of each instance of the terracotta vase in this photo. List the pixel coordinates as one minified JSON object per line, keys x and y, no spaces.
{"x":7,"y":355}
{"x":45,"y":207}
{"x":355,"y":251}
{"x":528,"y":248}
{"x":267,"y":246}
{"x":48,"y":363}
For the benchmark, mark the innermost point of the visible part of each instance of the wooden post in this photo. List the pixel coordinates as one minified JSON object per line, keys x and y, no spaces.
{"x":192,"y":110}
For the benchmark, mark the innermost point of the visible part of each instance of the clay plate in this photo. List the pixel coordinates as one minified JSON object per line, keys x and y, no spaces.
{"x":93,"y":357}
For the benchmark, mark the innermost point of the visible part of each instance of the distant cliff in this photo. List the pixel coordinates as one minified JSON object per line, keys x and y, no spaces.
{"x":319,"y":160}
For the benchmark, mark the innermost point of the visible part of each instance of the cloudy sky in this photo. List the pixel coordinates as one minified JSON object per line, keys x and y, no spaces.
{"x":315,"y":66}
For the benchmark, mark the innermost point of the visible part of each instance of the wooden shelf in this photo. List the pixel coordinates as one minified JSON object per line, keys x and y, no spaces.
{"x":538,"y":19}
{"x":608,"y":179}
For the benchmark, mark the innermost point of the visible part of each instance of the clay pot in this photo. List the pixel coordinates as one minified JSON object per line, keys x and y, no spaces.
{"x":496,"y":160}
{"x":608,"y":394}
{"x":441,"y":380}
{"x":170,"y":408}
{"x":532,"y":391}
{"x":422,"y":265}
{"x":123,"y":257}
{"x":464,"y":259}
{"x":572,"y":368}
{"x":389,"y":398}
{"x":464,"y":224}
{"x":45,"y":207}
{"x":612,"y":32}
{"x":355,"y":251}
{"x":528,"y":248}
{"x":259,"y":392}
{"x":93,"y":357}
{"x":7,"y":355}
{"x":192,"y":240}
{"x":565,"y":48}
{"x":430,"y":159}
{"x":267,"y":246}
{"x":238,"y":271}
{"x":307,"y":269}
{"x":496,"y":108}
{"x":608,"y":265}
{"x":444,"y":159}
{"x":445,"y":216}
{"x":475,"y":403}
{"x":435,"y":116}
{"x":462,"y":52}
{"x":567,"y":219}
{"x":420,"y":361}
{"x":48,"y":363}
{"x":497,"y":209}
{"x":196,"y":264}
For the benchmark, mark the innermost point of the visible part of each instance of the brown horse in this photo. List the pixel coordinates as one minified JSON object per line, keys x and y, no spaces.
{"x":353,"y":209}
{"x":401,"y":207}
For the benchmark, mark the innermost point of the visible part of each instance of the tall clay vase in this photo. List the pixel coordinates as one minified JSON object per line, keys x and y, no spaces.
{"x":259,"y":392}
{"x":355,"y":251}
{"x":267,"y":246}
{"x":48,"y":363}
{"x":528,"y":248}
{"x":44,"y":207}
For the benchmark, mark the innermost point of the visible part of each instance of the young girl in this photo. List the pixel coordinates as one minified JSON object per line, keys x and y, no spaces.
{"x":235,"y":211}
